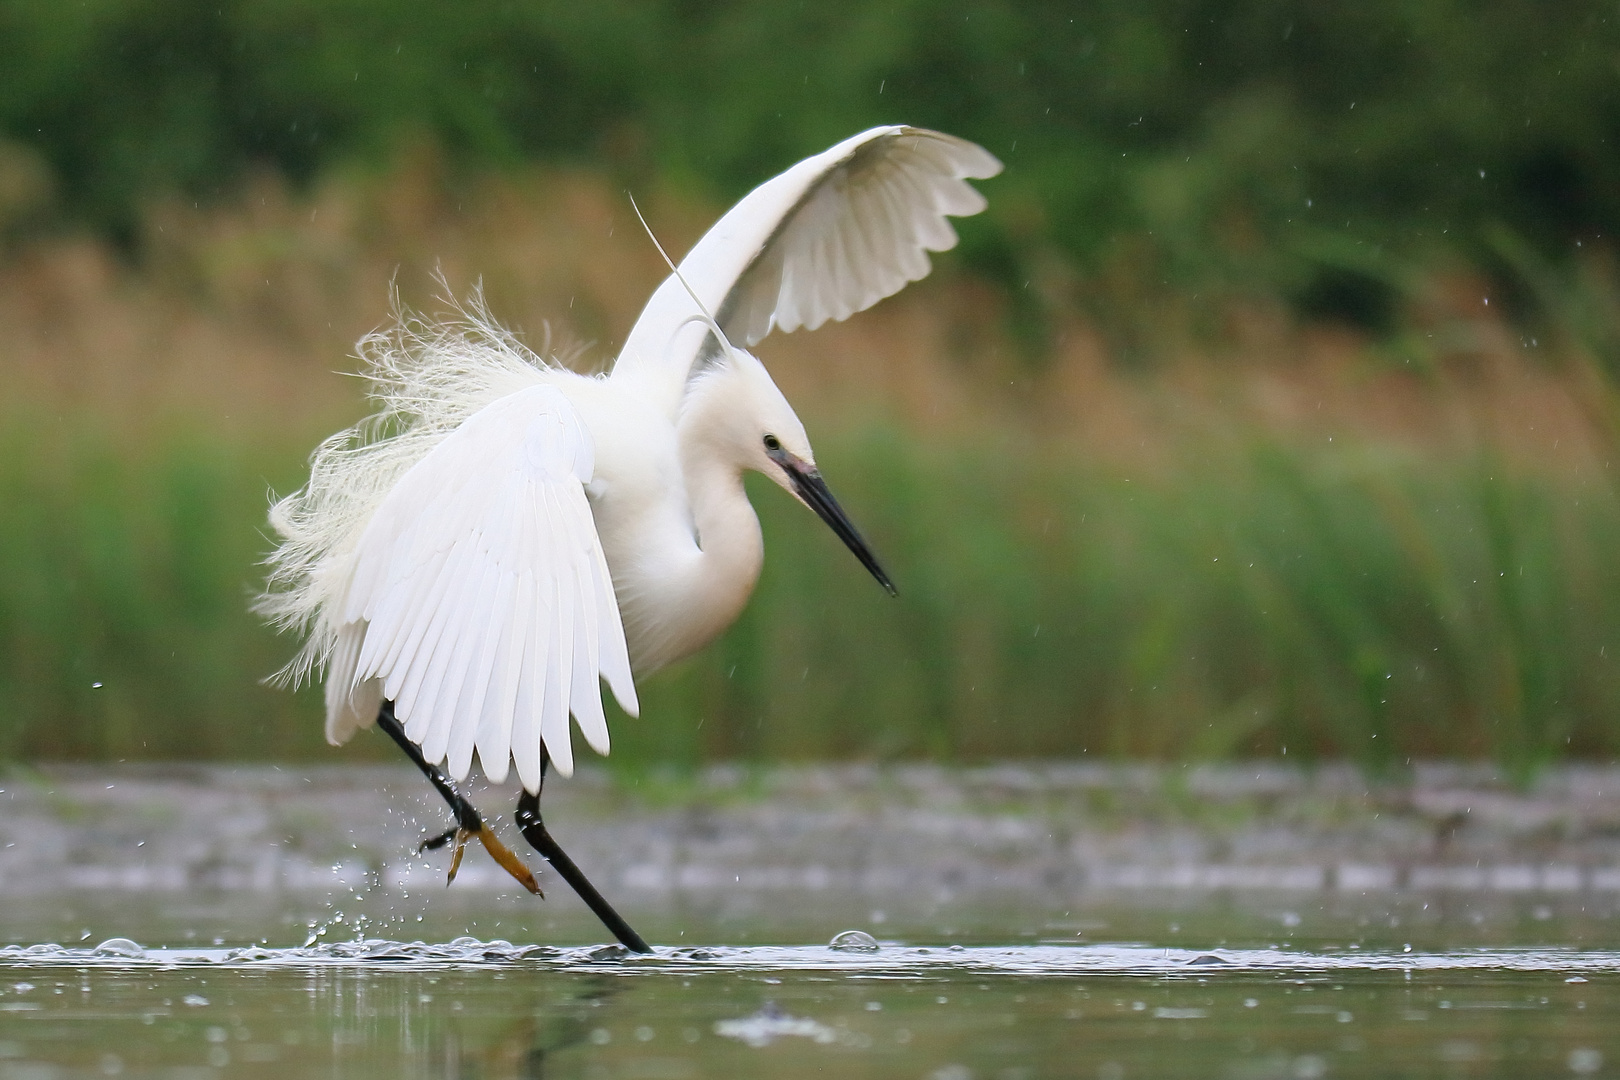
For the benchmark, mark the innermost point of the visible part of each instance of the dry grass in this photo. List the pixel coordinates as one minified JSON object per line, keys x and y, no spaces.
{"x":245,"y":314}
{"x":150,"y":402}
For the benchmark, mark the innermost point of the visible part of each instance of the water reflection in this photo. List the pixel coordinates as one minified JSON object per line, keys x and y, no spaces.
{"x":984,"y":1014}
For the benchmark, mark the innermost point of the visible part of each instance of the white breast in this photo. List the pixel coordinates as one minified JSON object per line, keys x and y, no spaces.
{"x":684,"y":546}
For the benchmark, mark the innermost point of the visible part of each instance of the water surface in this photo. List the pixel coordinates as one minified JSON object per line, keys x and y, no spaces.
{"x":1025,"y":923}
{"x":472,"y":1008}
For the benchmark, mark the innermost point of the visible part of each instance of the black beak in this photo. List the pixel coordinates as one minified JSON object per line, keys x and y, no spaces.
{"x":810,"y":487}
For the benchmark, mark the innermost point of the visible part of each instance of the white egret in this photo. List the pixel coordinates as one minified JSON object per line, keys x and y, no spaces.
{"x":504,"y":532}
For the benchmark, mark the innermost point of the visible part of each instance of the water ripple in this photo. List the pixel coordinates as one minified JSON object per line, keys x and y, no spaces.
{"x":890,"y":960}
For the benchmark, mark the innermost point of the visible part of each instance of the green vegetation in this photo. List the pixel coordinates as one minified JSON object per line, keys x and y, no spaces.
{"x":1309,"y":151}
{"x":1333,"y":600}
{"x":127,"y":571}
{"x":1440,"y":177}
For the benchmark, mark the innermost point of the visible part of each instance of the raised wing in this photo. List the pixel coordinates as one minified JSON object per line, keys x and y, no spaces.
{"x":480,"y":600}
{"x":859,"y":232}
{"x":831,"y":236}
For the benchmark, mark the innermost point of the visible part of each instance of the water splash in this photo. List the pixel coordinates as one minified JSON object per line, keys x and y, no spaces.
{"x":889,"y":959}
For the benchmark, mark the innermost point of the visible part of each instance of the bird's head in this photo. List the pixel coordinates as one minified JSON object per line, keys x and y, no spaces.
{"x":747,"y":421}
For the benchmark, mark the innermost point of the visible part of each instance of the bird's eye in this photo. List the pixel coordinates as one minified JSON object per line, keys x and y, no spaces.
{"x":772,"y":443}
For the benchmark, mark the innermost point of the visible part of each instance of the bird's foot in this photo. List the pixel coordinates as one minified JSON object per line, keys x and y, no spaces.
{"x":434,"y":843}
{"x":492,"y":844}
{"x":468,"y":822}
{"x":455,"y":859}
{"x":509,"y":861}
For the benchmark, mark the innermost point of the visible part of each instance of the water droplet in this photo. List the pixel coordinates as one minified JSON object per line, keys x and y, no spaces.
{"x":854,"y":941}
{"x":120,"y":946}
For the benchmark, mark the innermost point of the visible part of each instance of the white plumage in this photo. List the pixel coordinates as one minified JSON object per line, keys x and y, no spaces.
{"x":831,"y":236}
{"x":504,"y":532}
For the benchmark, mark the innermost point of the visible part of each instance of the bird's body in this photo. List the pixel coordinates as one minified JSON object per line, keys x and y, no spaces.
{"x":679,"y":536}
{"x":677,"y":529}
{"x":504,"y":531}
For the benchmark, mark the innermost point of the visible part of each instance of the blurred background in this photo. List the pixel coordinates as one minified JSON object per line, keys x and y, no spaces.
{"x":1269,"y":410}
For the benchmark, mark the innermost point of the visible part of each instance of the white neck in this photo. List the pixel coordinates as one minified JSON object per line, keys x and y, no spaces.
{"x":683,"y":600}
{"x":732,"y":549}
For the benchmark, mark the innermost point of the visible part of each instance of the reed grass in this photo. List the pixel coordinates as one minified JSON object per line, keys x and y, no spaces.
{"x":127,"y":569}
{"x":1262,"y":599}
{"x":1287,"y":540}
{"x":1257,"y":597}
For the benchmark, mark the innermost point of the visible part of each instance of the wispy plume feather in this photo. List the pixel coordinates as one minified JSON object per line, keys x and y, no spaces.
{"x":427,"y":376}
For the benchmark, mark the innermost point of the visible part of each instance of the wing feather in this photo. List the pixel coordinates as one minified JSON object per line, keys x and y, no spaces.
{"x":888,"y":232}
{"x":501,"y":709}
{"x":493,"y":728}
{"x":472,"y":684}
{"x":424,"y":620}
{"x":827,"y":238}
{"x":450,"y":703}
{"x":850,"y":253}
{"x":341,"y":677}
{"x":480,"y":600}
{"x":530,"y":689}
{"x":587,"y":642}
{"x":870,"y":245}
{"x":560,"y":657}
{"x":911,"y":262}
{"x":614,"y":655}
{"x":392,"y":626}
{"x":819,"y":291}
{"x":433,"y":659}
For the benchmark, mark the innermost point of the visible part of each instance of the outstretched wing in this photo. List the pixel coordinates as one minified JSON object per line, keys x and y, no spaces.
{"x":480,"y":601}
{"x":831,"y":236}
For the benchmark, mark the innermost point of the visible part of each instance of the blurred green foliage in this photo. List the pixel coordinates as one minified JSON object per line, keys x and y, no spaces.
{"x":127,"y":570}
{"x":1255,"y":597}
{"x":1307,"y":148}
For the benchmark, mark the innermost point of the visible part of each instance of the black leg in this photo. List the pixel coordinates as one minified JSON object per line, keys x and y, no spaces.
{"x":466,"y":817}
{"x":534,"y":831}
{"x":468,"y":821}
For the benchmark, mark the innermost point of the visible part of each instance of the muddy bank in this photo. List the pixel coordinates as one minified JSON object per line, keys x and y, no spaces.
{"x":1056,"y":830}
